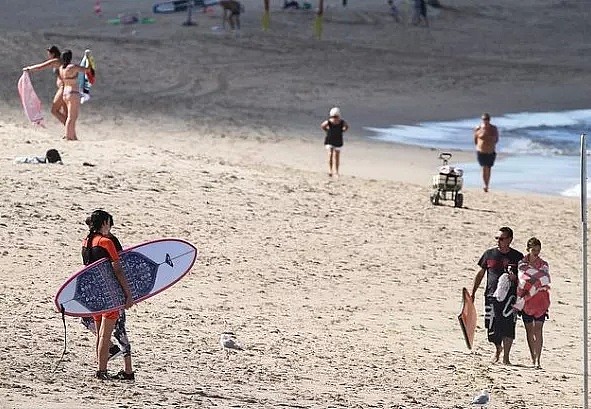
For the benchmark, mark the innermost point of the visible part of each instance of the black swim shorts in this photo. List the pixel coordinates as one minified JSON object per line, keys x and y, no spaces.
{"x":530,"y":318}
{"x":499,"y":319}
{"x":486,"y":159}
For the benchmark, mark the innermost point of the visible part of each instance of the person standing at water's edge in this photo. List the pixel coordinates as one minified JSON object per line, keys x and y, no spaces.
{"x":500,"y":265}
{"x":486,"y":137}
{"x":334,"y":127}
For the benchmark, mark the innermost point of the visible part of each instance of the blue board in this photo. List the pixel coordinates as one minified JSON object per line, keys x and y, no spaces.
{"x":176,"y":6}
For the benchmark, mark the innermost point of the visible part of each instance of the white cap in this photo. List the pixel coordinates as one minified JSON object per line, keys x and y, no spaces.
{"x":335,"y":112}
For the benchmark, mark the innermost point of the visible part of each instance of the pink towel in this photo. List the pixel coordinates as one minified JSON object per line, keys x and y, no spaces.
{"x":30,"y":100}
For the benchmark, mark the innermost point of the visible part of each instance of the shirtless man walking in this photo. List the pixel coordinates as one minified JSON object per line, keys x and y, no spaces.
{"x":486,"y":137}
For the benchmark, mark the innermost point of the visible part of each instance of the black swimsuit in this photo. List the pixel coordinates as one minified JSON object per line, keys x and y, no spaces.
{"x":334,"y":134}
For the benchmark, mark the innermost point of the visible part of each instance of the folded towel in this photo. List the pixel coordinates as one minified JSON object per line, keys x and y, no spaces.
{"x":503,"y":287}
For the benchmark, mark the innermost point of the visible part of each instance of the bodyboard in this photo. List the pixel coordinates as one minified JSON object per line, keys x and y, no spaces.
{"x":149,"y":269}
{"x":468,"y":318}
{"x":176,"y":6}
{"x":170,"y":6}
{"x":30,"y":100}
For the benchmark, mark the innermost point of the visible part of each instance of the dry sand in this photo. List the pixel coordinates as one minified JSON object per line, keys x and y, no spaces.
{"x":345,"y":292}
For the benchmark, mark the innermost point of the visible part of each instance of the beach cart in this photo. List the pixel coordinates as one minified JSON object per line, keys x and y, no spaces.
{"x":447,"y":183}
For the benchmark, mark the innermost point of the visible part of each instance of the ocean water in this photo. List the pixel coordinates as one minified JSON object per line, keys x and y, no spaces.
{"x":540,"y":151}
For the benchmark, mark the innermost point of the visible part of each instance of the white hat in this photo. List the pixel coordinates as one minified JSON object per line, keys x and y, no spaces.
{"x":335,"y":112}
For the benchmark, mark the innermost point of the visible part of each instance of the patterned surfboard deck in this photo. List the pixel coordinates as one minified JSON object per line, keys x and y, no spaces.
{"x":149,"y":268}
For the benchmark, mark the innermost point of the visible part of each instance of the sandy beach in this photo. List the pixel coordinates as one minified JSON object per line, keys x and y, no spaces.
{"x":345,"y":293}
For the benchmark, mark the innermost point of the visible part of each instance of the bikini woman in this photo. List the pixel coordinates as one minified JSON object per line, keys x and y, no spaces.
{"x":68,"y":73}
{"x":58,"y":106}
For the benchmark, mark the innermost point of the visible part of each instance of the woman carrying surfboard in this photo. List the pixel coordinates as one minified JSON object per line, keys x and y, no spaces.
{"x":58,"y":106}
{"x":98,"y":245}
{"x":123,"y":346}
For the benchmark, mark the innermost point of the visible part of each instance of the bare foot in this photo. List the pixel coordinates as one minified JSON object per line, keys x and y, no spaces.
{"x":329,"y":174}
{"x":336,"y":175}
{"x":485,"y":189}
{"x":495,"y":358}
{"x":507,"y":362}
{"x":72,"y":139}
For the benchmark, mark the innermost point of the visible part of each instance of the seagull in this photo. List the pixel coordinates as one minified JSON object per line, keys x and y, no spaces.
{"x":228,"y":342}
{"x":482,"y":399}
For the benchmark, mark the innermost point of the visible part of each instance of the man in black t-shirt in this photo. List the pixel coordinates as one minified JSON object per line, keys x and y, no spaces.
{"x":499,"y":317}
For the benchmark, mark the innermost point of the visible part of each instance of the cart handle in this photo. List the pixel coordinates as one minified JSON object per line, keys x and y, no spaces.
{"x":445,"y":156}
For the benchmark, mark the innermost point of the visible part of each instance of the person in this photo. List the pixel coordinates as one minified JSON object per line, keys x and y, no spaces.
{"x":499,"y":317}
{"x":420,"y":13}
{"x":486,"y":137}
{"x":123,"y":346}
{"x":232,"y":9}
{"x":51,"y":156}
{"x":68,"y":73}
{"x":533,"y":297}
{"x":394,"y":11}
{"x":99,"y":244}
{"x":58,"y":106}
{"x":334,"y":127}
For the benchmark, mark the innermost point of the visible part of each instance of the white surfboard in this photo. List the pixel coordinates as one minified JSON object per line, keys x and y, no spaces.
{"x":149,"y":268}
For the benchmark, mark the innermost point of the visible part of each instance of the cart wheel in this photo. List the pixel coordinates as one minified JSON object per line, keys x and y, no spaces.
{"x":459,"y":200}
{"x":435,"y":198}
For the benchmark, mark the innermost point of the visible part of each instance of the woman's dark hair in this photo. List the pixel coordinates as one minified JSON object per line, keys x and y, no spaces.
{"x":66,"y":58}
{"x":96,"y":220}
{"x":53,"y":50}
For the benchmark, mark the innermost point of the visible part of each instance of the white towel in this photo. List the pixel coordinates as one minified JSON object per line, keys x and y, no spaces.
{"x":503,"y":287}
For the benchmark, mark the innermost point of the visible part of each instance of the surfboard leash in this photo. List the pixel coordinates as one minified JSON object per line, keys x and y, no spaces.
{"x":63,"y":312}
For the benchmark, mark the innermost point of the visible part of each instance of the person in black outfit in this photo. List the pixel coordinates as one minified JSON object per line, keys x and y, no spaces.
{"x":499,"y":316}
{"x":334,"y":127}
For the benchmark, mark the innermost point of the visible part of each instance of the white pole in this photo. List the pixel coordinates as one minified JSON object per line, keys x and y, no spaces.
{"x":584,"y":265}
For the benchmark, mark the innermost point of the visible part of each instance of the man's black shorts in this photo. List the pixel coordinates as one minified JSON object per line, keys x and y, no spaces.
{"x":499,"y":319}
{"x":486,"y":159}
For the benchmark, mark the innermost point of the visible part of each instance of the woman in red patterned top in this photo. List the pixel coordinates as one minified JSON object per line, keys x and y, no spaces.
{"x":533,"y":297}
